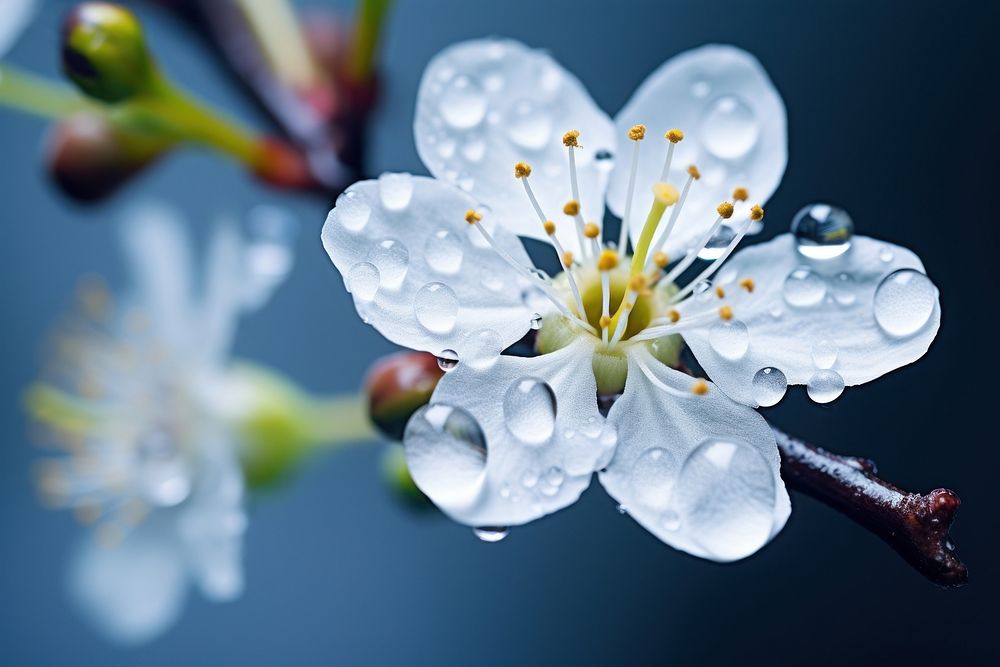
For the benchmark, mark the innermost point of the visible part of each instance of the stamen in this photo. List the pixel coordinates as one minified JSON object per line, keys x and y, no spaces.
{"x":674,"y":136}
{"x":567,"y":260}
{"x":570,"y":140}
{"x":673,"y":315}
{"x":747,"y":284}
{"x":740,"y":194}
{"x":719,"y":292}
{"x":660,"y":259}
{"x":636,"y":133}
{"x":725,"y":210}
{"x":636,"y":285}
{"x":693,"y":175}
{"x":605,"y":300}
{"x":726,"y":313}
{"x":592,"y":232}
{"x":699,"y":388}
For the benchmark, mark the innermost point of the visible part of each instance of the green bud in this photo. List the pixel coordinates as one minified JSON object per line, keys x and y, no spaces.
{"x":397,"y":386}
{"x":104,"y":52}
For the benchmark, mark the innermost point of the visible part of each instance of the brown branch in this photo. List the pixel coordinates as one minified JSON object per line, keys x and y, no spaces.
{"x":915,"y":525}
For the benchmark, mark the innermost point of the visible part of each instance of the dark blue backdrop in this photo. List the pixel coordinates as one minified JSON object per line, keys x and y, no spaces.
{"x":892,"y":114}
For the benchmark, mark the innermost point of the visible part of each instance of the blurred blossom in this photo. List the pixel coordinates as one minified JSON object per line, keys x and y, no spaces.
{"x":138,"y":394}
{"x":14,"y":17}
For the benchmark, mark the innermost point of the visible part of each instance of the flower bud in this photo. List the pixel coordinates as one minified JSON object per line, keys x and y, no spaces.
{"x":397,"y":386}
{"x":104,"y":52}
{"x":396,"y":477}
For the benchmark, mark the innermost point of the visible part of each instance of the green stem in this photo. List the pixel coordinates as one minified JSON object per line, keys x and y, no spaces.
{"x":41,"y":96}
{"x":367,"y":32}
{"x":338,"y":420}
{"x":276,"y":26}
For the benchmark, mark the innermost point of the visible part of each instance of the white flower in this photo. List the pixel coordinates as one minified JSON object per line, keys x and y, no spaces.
{"x":138,"y":395}
{"x":435,"y":265}
{"x":14,"y":18}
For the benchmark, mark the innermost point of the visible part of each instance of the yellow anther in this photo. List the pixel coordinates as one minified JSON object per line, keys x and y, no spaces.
{"x":747,"y":284}
{"x":570,"y":139}
{"x":522,"y":170}
{"x":567,"y":259}
{"x":740,"y":194}
{"x":726,"y":313}
{"x":607,"y":261}
{"x":472,"y":217}
{"x":591,"y":230}
{"x":719,"y":292}
{"x":694,"y":173}
{"x":637,"y":132}
{"x":605,"y":321}
{"x":674,"y":316}
{"x":660,"y":259}
{"x":572,"y":207}
{"x":725,"y":210}
{"x":756,"y":213}
{"x":674,"y":136}
{"x":666,"y":193}
{"x":550,"y":227}
{"x":638,"y":282}
{"x":699,"y":388}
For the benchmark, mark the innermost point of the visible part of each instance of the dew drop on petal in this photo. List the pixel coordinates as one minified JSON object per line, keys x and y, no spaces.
{"x":653,"y":476}
{"x":718,"y":243}
{"x":447,"y":360}
{"x":729,"y":339}
{"x":536,"y":322}
{"x":443,"y":252}
{"x":482,"y":349}
{"x":363,"y":281}
{"x":391,"y":258}
{"x":491,"y":533}
{"x":822,"y":231}
{"x":529,"y":409}
{"x":885,"y":254}
{"x":729,"y":128}
{"x":769,"y":386}
{"x":473,"y":150}
{"x":445,"y":452}
{"x":351,"y":211}
{"x":436,"y":307}
{"x":824,"y":354}
{"x":462,"y":103}
{"x":395,"y":191}
{"x":552,"y":481}
{"x":904,"y":302}
{"x":725,"y":497}
{"x":844,"y":289}
{"x":825,"y":386}
{"x":528,"y":126}
{"x":529,"y":479}
{"x":804,"y":287}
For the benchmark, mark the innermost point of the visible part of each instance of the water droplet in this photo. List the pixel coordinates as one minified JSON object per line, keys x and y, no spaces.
{"x":725,"y":496}
{"x":718,"y":243}
{"x":363,"y":281}
{"x":529,"y":409}
{"x":351,"y":211}
{"x":700,"y":89}
{"x":621,"y":509}
{"x":776,"y":312}
{"x":164,"y":475}
{"x":769,"y":386}
{"x":653,"y":476}
{"x":670,"y":520}
{"x":491,"y":533}
{"x":729,"y":339}
{"x":505,"y":490}
{"x":529,"y":126}
{"x":824,"y":386}
{"x":822,"y":231}
{"x":482,"y":348}
{"x":536,"y":322}
{"x":904,"y":302}
{"x":391,"y":258}
{"x":529,"y":479}
{"x":443,"y":252}
{"x":436,"y":307}
{"x":824,"y":354}
{"x":604,"y":160}
{"x":804,"y":287}
{"x":463,"y":103}
{"x":729,"y":129}
{"x":445,"y":452}
{"x":492,"y":283}
{"x":473,"y":150}
{"x":447,"y":360}
{"x":552,"y":481}
{"x":885,"y":254}
{"x":844,"y":289}
{"x":701,"y":288}
{"x":395,"y":191}
{"x":446,"y":149}
{"x":493,"y":82}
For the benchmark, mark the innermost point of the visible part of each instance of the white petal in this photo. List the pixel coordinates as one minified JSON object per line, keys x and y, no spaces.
{"x":487,"y":104}
{"x":420,"y":274}
{"x":508,"y":444}
{"x":222,"y":294}
{"x":733,"y":121}
{"x":134,"y":591}
{"x":269,"y":252}
{"x":157,"y":249}
{"x":819,"y":322}
{"x":14,"y":17}
{"x":698,"y":471}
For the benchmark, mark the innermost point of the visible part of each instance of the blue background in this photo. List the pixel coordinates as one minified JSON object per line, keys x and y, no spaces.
{"x":892,"y":114}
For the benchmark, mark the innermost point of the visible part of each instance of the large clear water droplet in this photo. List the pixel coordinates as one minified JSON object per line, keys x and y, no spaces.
{"x":824,"y":354}
{"x":529,"y":409}
{"x":445,"y":452}
{"x":844,"y":289}
{"x":729,"y":339}
{"x":443,"y":252}
{"x":491,"y":533}
{"x":392,"y":259}
{"x":804,"y":287}
{"x":436,"y":307}
{"x":769,"y":386}
{"x":822,"y":231}
{"x":447,"y":360}
{"x":351,"y":211}
{"x":729,"y":129}
{"x":653,"y":476}
{"x":718,"y":243}
{"x":462,"y":103}
{"x":529,"y":126}
{"x":163,"y":473}
{"x":363,"y":281}
{"x":904,"y":302}
{"x":725,"y":497}
{"x":482,"y":348}
{"x":825,"y":386}
{"x":395,"y":191}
